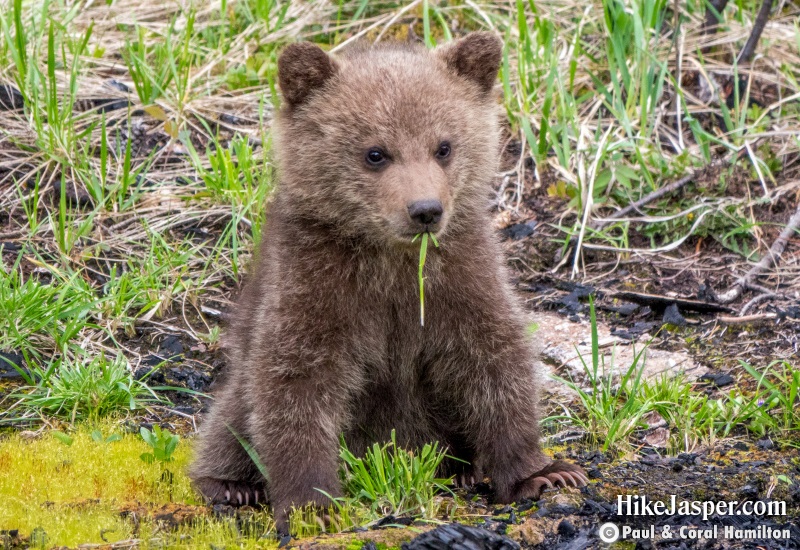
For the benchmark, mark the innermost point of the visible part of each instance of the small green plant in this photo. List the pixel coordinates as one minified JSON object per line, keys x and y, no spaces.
{"x":63,"y":438}
{"x":97,"y":437}
{"x":612,"y":412}
{"x":780,"y":399}
{"x":77,"y":388}
{"x":163,"y":443}
{"x":423,"y":254}
{"x":392,"y":480}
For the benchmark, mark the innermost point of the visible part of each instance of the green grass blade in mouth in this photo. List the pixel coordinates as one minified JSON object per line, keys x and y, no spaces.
{"x":423,"y":254}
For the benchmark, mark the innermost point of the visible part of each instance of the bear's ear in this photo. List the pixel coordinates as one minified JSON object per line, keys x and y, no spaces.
{"x":302,"y":68}
{"x":477,"y":57}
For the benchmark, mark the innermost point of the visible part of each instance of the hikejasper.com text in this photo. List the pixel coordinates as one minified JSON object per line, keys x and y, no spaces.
{"x":637,"y":505}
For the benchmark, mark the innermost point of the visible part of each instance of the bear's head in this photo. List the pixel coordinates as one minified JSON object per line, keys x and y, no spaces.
{"x":389,"y":141}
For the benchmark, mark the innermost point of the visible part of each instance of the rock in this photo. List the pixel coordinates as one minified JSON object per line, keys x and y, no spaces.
{"x":170,"y":347}
{"x":564,"y":344}
{"x":672,"y":316}
{"x":456,"y":536}
{"x":658,"y":438}
{"x":10,"y":98}
{"x":765,"y":444}
{"x":718,"y":380}
{"x":8,"y":359}
{"x":531,"y":532}
{"x":519,"y":231}
{"x":394,"y":520}
{"x":566,"y":529}
{"x":117,"y":85}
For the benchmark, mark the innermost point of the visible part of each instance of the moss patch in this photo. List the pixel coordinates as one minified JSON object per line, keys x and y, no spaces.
{"x":75,"y":492}
{"x":91,"y":491}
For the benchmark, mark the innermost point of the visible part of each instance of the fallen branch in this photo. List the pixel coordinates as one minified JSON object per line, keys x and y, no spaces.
{"x":770,"y":259}
{"x":757,"y":300}
{"x":656,"y":301}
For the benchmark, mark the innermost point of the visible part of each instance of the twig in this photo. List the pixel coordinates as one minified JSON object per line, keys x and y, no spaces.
{"x":730,"y":320}
{"x":666,"y":190}
{"x":12,"y":234}
{"x":757,"y":300}
{"x":769,"y":259}
{"x":758,"y":27}
{"x":635,"y":206}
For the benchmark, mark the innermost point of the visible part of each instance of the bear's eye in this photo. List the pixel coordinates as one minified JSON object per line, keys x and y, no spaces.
{"x":376,"y":157}
{"x":443,"y":151}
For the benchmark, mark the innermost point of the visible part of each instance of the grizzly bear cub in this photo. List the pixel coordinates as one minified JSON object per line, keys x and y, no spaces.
{"x":373,"y":147}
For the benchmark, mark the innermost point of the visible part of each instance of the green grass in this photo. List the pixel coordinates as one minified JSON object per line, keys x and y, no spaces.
{"x":423,"y":254}
{"x":79,"y":388}
{"x":614,"y":404}
{"x":392,"y":480}
{"x":75,"y":491}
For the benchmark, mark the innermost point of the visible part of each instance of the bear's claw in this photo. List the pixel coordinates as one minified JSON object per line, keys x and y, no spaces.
{"x":558,"y":473}
{"x":232,"y":493}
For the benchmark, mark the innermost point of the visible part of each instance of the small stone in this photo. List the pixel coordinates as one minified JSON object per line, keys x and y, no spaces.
{"x":10,"y":98}
{"x":749,"y":492}
{"x":718,"y":380}
{"x":765,"y":444}
{"x":8,"y":360}
{"x":171,"y":347}
{"x":519,"y":231}
{"x":672,"y":316}
{"x":566,"y":529}
{"x":627,"y":310}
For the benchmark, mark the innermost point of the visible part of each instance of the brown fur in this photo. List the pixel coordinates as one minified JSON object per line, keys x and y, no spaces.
{"x":327,"y":336}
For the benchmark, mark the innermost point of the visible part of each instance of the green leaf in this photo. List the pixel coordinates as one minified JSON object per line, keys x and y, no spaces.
{"x":63,"y":438}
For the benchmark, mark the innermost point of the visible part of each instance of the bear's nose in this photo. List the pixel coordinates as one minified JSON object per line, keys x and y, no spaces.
{"x":427,"y":212}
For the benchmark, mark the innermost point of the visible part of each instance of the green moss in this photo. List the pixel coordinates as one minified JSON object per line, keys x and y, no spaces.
{"x":92,"y":491}
{"x":75,"y":492}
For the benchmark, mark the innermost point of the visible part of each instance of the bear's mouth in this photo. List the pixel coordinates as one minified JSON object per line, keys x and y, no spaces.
{"x":410,"y":238}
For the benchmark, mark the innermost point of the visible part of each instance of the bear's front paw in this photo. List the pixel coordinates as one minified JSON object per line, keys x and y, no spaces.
{"x":558,"y":473}
{"x":233,"y":493}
